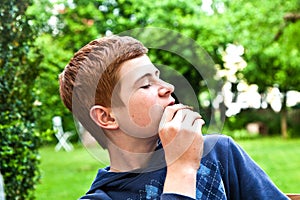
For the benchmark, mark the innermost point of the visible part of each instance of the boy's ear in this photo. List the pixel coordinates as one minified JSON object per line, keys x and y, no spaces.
{"x":103,"y":117}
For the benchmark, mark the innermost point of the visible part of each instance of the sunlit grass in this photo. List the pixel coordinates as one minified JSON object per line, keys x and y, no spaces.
{"x":68,"y":175}
{"x":280,"y":158}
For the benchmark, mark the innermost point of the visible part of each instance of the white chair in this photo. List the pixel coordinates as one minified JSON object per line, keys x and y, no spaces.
{"x":2,"y":194}
{"x":62,"y":137}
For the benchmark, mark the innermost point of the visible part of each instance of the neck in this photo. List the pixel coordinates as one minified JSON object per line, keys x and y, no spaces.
{"x":128,"y":153}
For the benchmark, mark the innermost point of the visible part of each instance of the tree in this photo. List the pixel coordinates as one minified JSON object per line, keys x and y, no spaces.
{"x":270,"y":40}
{"x":82,"y":21}
{"x":253,"y":24}
{"x":19,"y":61}
{"x":272,"y":45}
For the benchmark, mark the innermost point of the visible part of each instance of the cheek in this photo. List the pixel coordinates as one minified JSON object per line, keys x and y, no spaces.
{"x":140,"y":107}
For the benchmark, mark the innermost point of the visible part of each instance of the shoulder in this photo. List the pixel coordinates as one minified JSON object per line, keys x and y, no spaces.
{"x":220,"y":138}
{"x":217,"y":143}
{"x":222,"y":148}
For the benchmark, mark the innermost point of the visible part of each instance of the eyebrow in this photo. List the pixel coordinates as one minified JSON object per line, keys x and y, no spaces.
{"x":142,"y":77}
{"x":156,"y":72}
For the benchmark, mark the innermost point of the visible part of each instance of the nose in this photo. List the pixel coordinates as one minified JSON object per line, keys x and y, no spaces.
{"x":166,"y":88}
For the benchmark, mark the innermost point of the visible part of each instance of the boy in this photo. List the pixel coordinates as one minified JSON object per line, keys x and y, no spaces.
{"x":156,"y":147}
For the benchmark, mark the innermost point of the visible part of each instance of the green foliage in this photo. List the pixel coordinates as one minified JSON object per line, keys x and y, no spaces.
{"x":240,"y":134}
{"x":19,"y":61}
{"x":269,"y":119}
{"x":265,"y":116}
{"x":293,"y":122}
{"x":82,"y":21}
{"x":253,"y":24}
{"x":271,"y":42}
{"x":46,"y":85}
{"x":56,"y":56}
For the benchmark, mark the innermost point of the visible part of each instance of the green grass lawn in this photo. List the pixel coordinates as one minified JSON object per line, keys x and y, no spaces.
{"x":279,"y":158}
{"x":68,"y":175}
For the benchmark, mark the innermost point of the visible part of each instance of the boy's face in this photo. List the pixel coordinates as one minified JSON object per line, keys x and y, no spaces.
{"x":144,"y":95}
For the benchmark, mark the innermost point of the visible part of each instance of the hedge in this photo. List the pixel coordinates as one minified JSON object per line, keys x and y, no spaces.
{"x":19,"y":61}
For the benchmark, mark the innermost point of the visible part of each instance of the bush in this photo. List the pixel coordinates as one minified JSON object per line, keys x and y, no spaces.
{"x":294,"y":122}
{"x":267,"y":117}
{"x":240,"y":134}
{"x":19,"y":62}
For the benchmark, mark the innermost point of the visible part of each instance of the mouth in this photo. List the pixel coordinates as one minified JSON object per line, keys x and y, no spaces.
{"x":171,"y":103}
{"x":176,"y":101}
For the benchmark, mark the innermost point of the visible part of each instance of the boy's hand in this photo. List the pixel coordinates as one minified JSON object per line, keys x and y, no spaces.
{"x":181,"y":137}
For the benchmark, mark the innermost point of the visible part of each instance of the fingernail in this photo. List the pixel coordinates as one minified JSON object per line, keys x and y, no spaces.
{"x":186,"y":106}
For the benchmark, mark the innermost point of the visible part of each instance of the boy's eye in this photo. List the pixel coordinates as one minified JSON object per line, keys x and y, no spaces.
{"x":146,"y":86}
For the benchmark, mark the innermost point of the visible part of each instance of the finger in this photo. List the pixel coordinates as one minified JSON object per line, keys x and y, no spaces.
{"x":170,"y":112}
{"x":198,"y":123}
{"x":190,"y":117}
{"x":179,"y":117}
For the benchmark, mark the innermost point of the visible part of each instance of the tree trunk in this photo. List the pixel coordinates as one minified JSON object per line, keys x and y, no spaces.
{"x":283,"y":115}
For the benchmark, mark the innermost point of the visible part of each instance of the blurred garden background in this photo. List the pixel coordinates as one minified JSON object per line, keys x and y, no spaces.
{"x":255,"y":46}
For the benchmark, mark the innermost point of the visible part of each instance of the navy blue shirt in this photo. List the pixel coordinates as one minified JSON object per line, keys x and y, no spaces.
{"x":226,"y":172}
